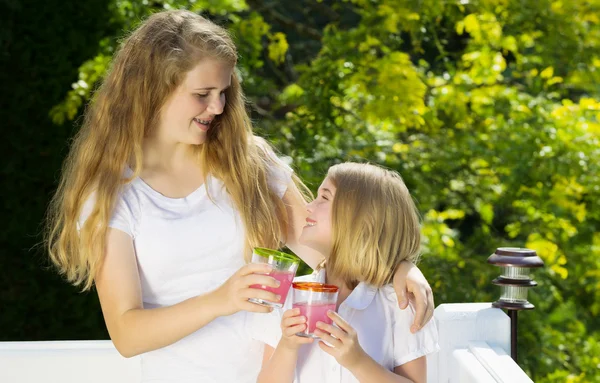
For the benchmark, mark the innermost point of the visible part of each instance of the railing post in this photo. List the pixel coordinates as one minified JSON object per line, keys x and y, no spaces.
{"x":514,"y":281}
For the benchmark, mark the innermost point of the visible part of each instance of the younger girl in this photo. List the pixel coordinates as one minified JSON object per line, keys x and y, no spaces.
{"x":365,"y":223}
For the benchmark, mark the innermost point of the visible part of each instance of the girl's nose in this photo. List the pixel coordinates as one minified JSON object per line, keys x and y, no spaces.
{"x":216,"y":106}
{"x":309,"y":207}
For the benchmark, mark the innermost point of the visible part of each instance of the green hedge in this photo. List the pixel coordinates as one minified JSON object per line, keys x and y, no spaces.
{"x":42,"y":44}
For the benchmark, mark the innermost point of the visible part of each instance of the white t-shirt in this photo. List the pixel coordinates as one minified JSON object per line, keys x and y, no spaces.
{"x":186,"y":247}
{"x":383,"y":332}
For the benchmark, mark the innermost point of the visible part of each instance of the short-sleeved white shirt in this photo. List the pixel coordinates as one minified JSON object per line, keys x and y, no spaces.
{"x":186,"y":247}
{"x":383,"y":332}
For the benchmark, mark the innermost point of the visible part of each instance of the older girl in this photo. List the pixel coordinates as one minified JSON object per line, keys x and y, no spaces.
{"x":162,"y":195}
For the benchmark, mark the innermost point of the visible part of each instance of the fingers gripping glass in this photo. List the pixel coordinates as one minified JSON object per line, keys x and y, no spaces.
{"x":284,"y":269}
{"x":314,"y":301}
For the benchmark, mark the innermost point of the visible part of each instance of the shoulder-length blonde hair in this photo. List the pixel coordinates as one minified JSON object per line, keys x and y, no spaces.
{"x":150,"y":64}
{"x":375,"y":224}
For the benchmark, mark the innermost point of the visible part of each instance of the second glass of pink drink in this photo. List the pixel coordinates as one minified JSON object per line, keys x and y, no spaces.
{"x":314,"y":301}
{"x":284,"y":269}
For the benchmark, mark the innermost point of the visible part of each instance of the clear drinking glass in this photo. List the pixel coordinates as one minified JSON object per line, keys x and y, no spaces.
{"x":314,"y":301}
{"x":284,"y":269}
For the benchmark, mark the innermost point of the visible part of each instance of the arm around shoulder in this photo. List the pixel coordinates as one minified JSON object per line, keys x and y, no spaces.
{"x":412,"y":287}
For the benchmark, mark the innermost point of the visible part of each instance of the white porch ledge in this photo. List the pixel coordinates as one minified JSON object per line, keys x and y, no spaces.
{"x":92,"y":361}
{"x":474,"y":341}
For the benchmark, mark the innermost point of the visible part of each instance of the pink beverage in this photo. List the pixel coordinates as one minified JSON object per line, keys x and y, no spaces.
{"x":314,"y":312}
{"x":285,"y":279}
{"x":283,"y":269}
{"x":314,"y":300}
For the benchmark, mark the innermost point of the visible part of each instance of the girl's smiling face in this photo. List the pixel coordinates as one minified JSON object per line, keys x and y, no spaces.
{"x":188,"y":113}
{"x":318,"y":231}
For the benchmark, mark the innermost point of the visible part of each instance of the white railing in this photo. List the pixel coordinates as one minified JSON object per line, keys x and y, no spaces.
{"x":474,"y":346}
{"x":474,"y":341}
{"x":66,"y":362}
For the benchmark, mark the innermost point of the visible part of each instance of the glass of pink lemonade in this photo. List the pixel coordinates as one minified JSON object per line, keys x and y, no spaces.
{"x":284,"y":269}
{"x":314,"y":301}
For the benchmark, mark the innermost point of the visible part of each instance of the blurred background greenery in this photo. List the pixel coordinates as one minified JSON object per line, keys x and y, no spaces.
{"x":490,"y":110}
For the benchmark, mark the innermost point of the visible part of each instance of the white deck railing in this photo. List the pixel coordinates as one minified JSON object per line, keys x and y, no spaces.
{"x":474,"y":346}
{"x":474,"y":341}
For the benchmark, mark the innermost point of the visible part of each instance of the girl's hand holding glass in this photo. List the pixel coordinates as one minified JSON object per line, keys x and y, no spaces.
{"x":283,"y":269}
{"x":291,"y":324}
{"x":343,"y":341}
{"x":314,"y":300}
{"x":236,"y":292}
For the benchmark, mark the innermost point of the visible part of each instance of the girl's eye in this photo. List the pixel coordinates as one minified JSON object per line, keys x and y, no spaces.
{"x":206,"y":94}
{"x":325,"y":198}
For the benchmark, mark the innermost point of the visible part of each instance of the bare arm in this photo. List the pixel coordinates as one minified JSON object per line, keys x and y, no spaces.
{"x":369,"y":371}
{"x":415,"y":370}
{"x":296,"y":210}
{"x":135,"y":330}
{"x":279,"y":365}
{"x":410,"y":285}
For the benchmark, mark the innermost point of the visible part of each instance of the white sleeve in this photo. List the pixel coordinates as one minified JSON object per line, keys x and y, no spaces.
{"x":265,"y":328}
{"x":279,"y":174}
{"x":409,"y":346}
{"x":122,"y":218}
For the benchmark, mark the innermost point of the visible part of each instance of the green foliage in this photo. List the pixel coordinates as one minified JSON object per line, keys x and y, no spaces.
{"x":490,"y":110}
{"x":495,"y":137}
{"x":42,"y":45}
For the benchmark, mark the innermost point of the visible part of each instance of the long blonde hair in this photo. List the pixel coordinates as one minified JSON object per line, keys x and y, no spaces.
{"x":150,"y":64}
{"x":375,"y":224}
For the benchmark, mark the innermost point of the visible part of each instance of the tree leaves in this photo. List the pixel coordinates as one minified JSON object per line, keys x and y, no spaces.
{"x":490,"y":110}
